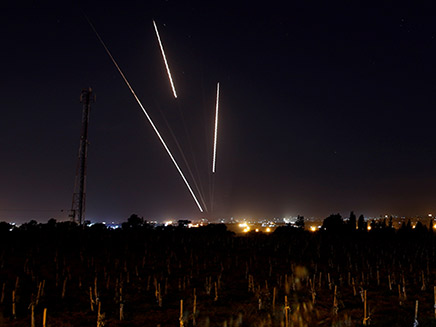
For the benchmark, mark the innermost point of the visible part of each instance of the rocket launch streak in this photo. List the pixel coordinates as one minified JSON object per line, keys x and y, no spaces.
{"x":165,"y":60}
{"x":216,"y":127}
{"x":148,"y":117}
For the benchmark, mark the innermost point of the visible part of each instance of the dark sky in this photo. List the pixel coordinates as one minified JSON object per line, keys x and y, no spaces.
{"x":323,"y":108}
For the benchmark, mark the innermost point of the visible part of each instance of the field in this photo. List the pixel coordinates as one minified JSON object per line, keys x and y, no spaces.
{"x":209,"y":276}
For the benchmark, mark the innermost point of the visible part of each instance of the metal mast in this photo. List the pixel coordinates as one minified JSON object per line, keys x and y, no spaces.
{"x":79,"y":196}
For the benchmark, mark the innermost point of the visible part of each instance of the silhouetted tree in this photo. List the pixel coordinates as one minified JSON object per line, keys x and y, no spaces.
{"x":98,"y":227}
{"x":352,"y":221}
{"x":300,"y":222}
{"x":134,"y":221}
{"x":361,"y":224}
{"x":420,"y":228}
{"x":333,"y":223}
{"x":51,"y":224}
{"x":406,"y":226}
{"x":66,"y":225}
{"x":5,"y":227}
{"x":30,"y":226}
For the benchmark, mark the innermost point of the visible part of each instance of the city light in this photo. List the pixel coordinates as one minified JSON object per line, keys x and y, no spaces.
{"x":368,"y":228}
{"x":313,"y":228}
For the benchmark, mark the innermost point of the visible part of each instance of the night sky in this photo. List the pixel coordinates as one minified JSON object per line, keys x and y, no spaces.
{"x":323,"y":109}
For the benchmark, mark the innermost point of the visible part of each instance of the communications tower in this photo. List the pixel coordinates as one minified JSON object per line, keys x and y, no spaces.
{"x":79,"y":196}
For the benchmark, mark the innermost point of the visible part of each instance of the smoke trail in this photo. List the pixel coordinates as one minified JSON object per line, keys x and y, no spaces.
{"x":146,"y":114}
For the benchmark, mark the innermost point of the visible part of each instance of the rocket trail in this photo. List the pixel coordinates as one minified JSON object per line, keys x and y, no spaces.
{"x":165,"y":60}
{"x":216,"y":126}
{"x":146,"y":114}
{"x":199,"y":192}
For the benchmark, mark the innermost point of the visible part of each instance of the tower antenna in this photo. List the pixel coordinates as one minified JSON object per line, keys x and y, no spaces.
{"x":79,"y":196}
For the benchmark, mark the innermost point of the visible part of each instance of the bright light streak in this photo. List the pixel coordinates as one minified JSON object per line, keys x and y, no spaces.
{"x":148,"y":117}
{"x":243,"y":225}
{"x":216,"y":126}
{"x":165,"y":60}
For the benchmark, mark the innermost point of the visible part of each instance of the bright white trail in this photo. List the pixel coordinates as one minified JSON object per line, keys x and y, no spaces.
{"x":165,"y":60}
{"x":148,"y":117}
{"x":216,"y":126}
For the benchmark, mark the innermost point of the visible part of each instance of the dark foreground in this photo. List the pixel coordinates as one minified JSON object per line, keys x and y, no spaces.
{"x":142,"y":274}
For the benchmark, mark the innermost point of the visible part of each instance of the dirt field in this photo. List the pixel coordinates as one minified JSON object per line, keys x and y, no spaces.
{"x":288,"y":278}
